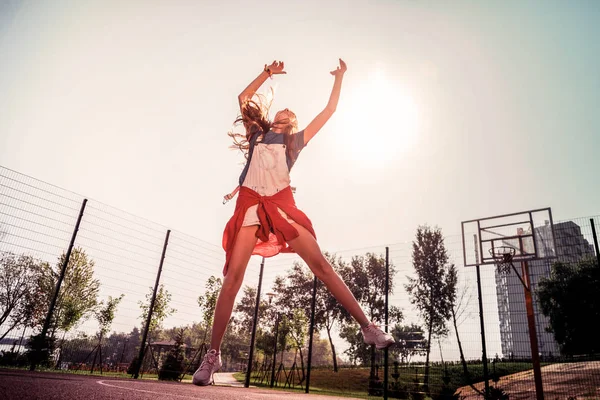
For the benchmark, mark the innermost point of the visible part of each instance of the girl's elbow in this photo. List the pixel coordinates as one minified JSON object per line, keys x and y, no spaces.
{"x":330,"y":110}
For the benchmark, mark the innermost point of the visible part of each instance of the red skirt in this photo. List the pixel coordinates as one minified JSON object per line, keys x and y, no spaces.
{"x":274,"y":231}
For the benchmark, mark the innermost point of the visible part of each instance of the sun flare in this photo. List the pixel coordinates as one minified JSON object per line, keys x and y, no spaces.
{"x":380,"y":121}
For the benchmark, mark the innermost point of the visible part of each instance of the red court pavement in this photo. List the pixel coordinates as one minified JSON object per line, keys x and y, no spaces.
{"x":25,"y":385}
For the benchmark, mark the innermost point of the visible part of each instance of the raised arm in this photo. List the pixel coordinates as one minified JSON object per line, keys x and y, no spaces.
{"x":320,"y":120}
{"x":276,"y":67}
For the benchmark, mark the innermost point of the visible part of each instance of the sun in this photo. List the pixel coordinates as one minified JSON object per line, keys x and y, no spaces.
{"x":380,"y":121}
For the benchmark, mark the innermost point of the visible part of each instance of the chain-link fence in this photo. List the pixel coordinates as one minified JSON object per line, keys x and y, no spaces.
{"x":121,"y":266}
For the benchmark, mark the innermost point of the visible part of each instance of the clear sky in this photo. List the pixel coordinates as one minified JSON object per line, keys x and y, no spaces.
{"x":449,"y":110}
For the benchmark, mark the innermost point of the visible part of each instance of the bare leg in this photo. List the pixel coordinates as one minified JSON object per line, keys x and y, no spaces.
{"x":242,"y":250}
{"x":307,"y":247}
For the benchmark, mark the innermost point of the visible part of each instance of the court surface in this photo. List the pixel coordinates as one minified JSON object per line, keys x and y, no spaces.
{"x":18,"y":384}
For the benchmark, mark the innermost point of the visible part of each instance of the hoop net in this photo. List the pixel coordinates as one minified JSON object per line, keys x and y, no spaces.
{"x":503,"y":256}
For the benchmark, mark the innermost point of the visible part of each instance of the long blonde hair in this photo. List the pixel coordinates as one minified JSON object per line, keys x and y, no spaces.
{"x":255,"y":119}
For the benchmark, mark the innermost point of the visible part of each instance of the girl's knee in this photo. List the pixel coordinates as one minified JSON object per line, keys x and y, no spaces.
{"x":232,"y":282}
{"x":323,"y":270}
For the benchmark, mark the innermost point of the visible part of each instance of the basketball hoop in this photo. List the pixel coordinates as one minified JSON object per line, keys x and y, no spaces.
{"x":503,"y":256}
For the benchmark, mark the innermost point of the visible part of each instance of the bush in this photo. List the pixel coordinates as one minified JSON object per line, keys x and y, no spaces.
{"x":132,"y":365}
{"x":174,"y":364}
{"x":447,"y":394}
{"x":497,"y":394}
{"x":13,"y":359}
{"x":40,"y":350}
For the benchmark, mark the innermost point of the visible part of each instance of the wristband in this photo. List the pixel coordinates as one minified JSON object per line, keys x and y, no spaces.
{"x":268,"y":71}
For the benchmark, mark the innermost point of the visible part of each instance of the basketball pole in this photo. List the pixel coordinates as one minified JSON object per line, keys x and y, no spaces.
{"x":535,"y":353}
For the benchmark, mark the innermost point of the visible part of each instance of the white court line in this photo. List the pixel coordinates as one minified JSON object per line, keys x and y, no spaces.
{"x":145,"y":391}
{"x":238,"y":395}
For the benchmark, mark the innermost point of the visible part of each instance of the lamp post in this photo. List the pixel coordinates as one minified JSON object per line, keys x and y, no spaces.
{"x":252,"y":337}
{"x":271,"y":295}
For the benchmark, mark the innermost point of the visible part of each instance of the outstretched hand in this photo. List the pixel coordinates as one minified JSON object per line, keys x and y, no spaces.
{"x":275,"y":68}
{"x":339,"y":71}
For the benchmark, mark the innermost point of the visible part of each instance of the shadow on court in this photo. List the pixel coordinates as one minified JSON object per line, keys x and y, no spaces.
{"x":17,"y":384}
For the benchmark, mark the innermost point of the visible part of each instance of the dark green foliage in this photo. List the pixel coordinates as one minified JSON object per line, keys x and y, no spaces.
{"x":433,"y":290}
{"x":12,"y":359}
{"x":160,"y":311}
{"x":208,"y":302}
{"x":410,"y":341}
{"x":447,"y":393}
{"x":40,"y":349}
{"x":78,"y":293}
{"x":174,"y":364}
{"x":365,"y":276}
{"x":19,"y":302}
{"x":133,"y":365}
{"x":496,"y":393}
{"x":569,"y":298}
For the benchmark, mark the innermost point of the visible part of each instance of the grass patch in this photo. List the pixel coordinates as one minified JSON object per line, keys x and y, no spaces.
{"x":346,"y":380}
{"x":325,"y":382}
{"x":110,"y":374}
{"x":355,"y":381}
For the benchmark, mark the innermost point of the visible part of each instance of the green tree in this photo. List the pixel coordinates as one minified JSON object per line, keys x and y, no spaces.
{"x":78,"y":294}
{"x":105,"y":313}
{"x":174,"y":363}
{"x":40,"y":349}
{"x":365,"y":276}
{"x":321,"y":351}
{"x":331,"y":312}
{"x":459,"y":303}
{"x":245,"y":310}
{"x":293,"y":298}
{"x":208,"y":302}
{"x":19,"y":276}
{"x":234,"y":347}
{"x":298,"y":331}
{"x":430,"y":291}
{"x":283,"y":333}
{"x":410,"y":342}
{"x":294,"y":290}
{"x":358,"y":351}
{"x":160,"y":311}
{"x":132,"y":345}
{"x":569,"y":298}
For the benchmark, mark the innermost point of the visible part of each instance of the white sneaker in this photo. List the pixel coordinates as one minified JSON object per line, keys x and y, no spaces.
{"x":372,"y":334}
{"x":211,"y":364}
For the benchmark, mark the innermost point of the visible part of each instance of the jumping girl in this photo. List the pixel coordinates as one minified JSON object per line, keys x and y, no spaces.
{"x":266,"y":221}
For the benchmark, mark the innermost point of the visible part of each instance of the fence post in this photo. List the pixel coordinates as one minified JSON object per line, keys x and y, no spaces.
{"x":595,"y":241}
{"x":253,"y":336}
{"x":310,"y":332}
{"x":151,"y":309}
{"x":386,"y":351}
{"x":61,"y":277}
{"x":483,"y":347}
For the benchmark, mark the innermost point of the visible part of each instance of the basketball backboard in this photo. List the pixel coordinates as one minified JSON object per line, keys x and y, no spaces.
{"x":529,"y":233}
